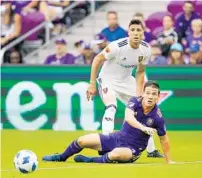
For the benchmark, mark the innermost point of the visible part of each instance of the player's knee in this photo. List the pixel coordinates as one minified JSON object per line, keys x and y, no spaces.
{"x":81,"y":142}
{"x":114,"y":155}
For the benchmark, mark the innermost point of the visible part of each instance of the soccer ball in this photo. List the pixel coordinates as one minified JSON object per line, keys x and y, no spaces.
{"x":25,"y":161}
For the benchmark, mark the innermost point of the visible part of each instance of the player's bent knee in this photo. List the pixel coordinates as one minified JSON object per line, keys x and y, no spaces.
{"x":81,"y":142}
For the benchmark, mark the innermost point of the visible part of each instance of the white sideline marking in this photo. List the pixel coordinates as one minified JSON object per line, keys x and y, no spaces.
{"x":104,"y":165}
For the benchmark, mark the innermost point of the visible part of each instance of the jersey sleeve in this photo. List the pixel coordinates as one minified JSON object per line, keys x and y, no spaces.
{"x":161,"y":127}
{"x":110,"y":51}
{"x":132,"y":104}
{"x":147,"y":56}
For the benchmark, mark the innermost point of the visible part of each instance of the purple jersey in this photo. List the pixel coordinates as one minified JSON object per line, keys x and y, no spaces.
{"x":191,"y":40}
{"x":131,"y":137}
{"x":19,"y":5}
{"x":67,"y":59}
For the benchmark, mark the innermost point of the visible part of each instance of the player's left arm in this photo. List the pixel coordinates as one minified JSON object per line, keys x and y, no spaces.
{"x":164,"y":140}
{"x":166,"y":147}
{"x":140,"y":71}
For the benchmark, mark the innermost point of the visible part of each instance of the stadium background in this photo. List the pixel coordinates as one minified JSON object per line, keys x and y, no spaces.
{"x":56,"y":93}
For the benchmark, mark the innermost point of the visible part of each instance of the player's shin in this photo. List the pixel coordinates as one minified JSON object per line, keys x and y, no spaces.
{"x":108,"y":119}
{"x":151,"y":145}
{"x":102,"y":159}
{"x":72,"y":149}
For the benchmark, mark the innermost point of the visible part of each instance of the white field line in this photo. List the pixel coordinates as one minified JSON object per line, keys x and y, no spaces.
{"x":109,"y":165}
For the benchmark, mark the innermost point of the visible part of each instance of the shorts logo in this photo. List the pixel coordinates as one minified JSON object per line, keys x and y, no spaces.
{"x":105,"y":90}
{"x":140,"y":59}
{"x":150,"y":121}
{"x":131,"y":104}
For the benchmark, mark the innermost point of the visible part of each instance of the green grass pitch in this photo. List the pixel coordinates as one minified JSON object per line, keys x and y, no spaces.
{"x":186,"y":150}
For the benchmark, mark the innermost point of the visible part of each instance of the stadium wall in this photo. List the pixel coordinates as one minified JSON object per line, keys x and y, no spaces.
{"x":54,"y":97}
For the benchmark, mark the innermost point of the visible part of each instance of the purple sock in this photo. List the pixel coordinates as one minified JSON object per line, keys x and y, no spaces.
{"x":102,"y":159}
{"x":72,"y":149}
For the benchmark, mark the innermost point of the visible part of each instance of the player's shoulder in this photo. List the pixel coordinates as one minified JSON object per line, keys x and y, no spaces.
{"x":145,"y":47}
{"x":144,"y":44}
{"x":121,"y":42}
{"x":158,"y":114}
{"x":136,"y":99}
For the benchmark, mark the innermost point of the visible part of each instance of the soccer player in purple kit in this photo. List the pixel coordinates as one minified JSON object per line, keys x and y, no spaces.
{"x":142,"y":119}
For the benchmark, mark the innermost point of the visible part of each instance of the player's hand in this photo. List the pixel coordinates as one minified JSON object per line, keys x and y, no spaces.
{"x":148,"y":130}
{"x":91,"y":91}
{"x":171,"y":162}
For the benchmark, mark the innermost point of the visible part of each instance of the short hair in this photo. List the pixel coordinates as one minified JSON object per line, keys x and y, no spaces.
{"x":138,"y":14}
{"x":136,"y":22}
{"x":152,"y":84}
{"x":189,"y":2}
{"x":196,"y":21}
{"x":170,"y":16}
{"x":112,"y":12}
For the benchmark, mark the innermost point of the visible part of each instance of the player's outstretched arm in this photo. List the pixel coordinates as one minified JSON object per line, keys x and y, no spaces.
{"x":97,"y":62}
{"x":130,"y":119}
{"x":140,"y":73}
{"x":166,"y":148}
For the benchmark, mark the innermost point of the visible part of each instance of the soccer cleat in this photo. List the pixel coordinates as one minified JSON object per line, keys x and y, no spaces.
{"x":155,"y":154}
{"x":82,"y":159}
{"x":53,"y":158}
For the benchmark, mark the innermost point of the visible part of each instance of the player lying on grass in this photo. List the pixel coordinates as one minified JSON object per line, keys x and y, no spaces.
{"x":142,"y":119}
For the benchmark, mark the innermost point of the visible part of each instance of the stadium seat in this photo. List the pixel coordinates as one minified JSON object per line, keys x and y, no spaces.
{"x":174,"y":7}
{"x":198,"y":7}
{"x":155,"y":20}
{"x":29,"y":22}
{"x":156,"y":31}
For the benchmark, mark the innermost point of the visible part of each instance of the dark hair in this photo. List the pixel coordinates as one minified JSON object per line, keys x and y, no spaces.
{"x":16,"y":51}
{"x":153,"y":84}
{"x":189,"y":2}
{"x":136,"y":22}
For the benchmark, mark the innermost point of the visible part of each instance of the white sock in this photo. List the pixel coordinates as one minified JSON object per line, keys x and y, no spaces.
{"x":108,"y":120}
{"x":150,"y":146}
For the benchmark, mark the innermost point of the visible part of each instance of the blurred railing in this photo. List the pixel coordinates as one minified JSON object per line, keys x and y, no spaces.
{"x":40,"y":26}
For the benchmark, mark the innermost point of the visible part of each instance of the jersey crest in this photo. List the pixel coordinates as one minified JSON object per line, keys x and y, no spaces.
{"x":140,"y":59}
{"x":150,"y":121}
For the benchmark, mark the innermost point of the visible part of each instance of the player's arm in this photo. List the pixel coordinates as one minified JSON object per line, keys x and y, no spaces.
{"x":166,"y":148}
{"x":131,"y":120}
{"x":140,"y":73}
{"x":107,"y":54}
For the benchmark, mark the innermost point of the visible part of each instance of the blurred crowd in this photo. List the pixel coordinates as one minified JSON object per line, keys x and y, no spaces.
{"x":177,"y":41}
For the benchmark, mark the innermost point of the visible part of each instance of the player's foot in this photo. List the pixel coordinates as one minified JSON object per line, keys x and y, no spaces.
{"x":155,"y":154}
{"x":54,"y":158}
{"x":82,"y":159}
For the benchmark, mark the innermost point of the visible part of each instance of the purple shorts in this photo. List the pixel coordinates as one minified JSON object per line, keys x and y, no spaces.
{"x":115,"y":140}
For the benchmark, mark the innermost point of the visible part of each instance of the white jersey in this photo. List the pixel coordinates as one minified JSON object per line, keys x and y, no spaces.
{"x":121,"y":58}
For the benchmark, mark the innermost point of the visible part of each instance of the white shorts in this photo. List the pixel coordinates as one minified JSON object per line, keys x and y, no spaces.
{"x":58,"y":10}
{"x":124,"y":90}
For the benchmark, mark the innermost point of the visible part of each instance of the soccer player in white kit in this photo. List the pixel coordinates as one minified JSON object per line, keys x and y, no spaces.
{"x":115,"y":80}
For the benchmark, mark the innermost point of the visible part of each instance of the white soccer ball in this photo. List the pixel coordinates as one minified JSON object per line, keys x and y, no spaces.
{"x":25,"y":161}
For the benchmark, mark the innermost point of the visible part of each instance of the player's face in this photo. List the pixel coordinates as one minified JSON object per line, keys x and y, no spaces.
{"x":135,"y":33}
{"x":150,"y":96}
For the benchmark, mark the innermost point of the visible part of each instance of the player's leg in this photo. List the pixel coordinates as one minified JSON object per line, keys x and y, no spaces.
{"x":151,"y":150}
{"x":108,"y":97}
{"x":87,"y":141}
{"x":120,"y":155}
